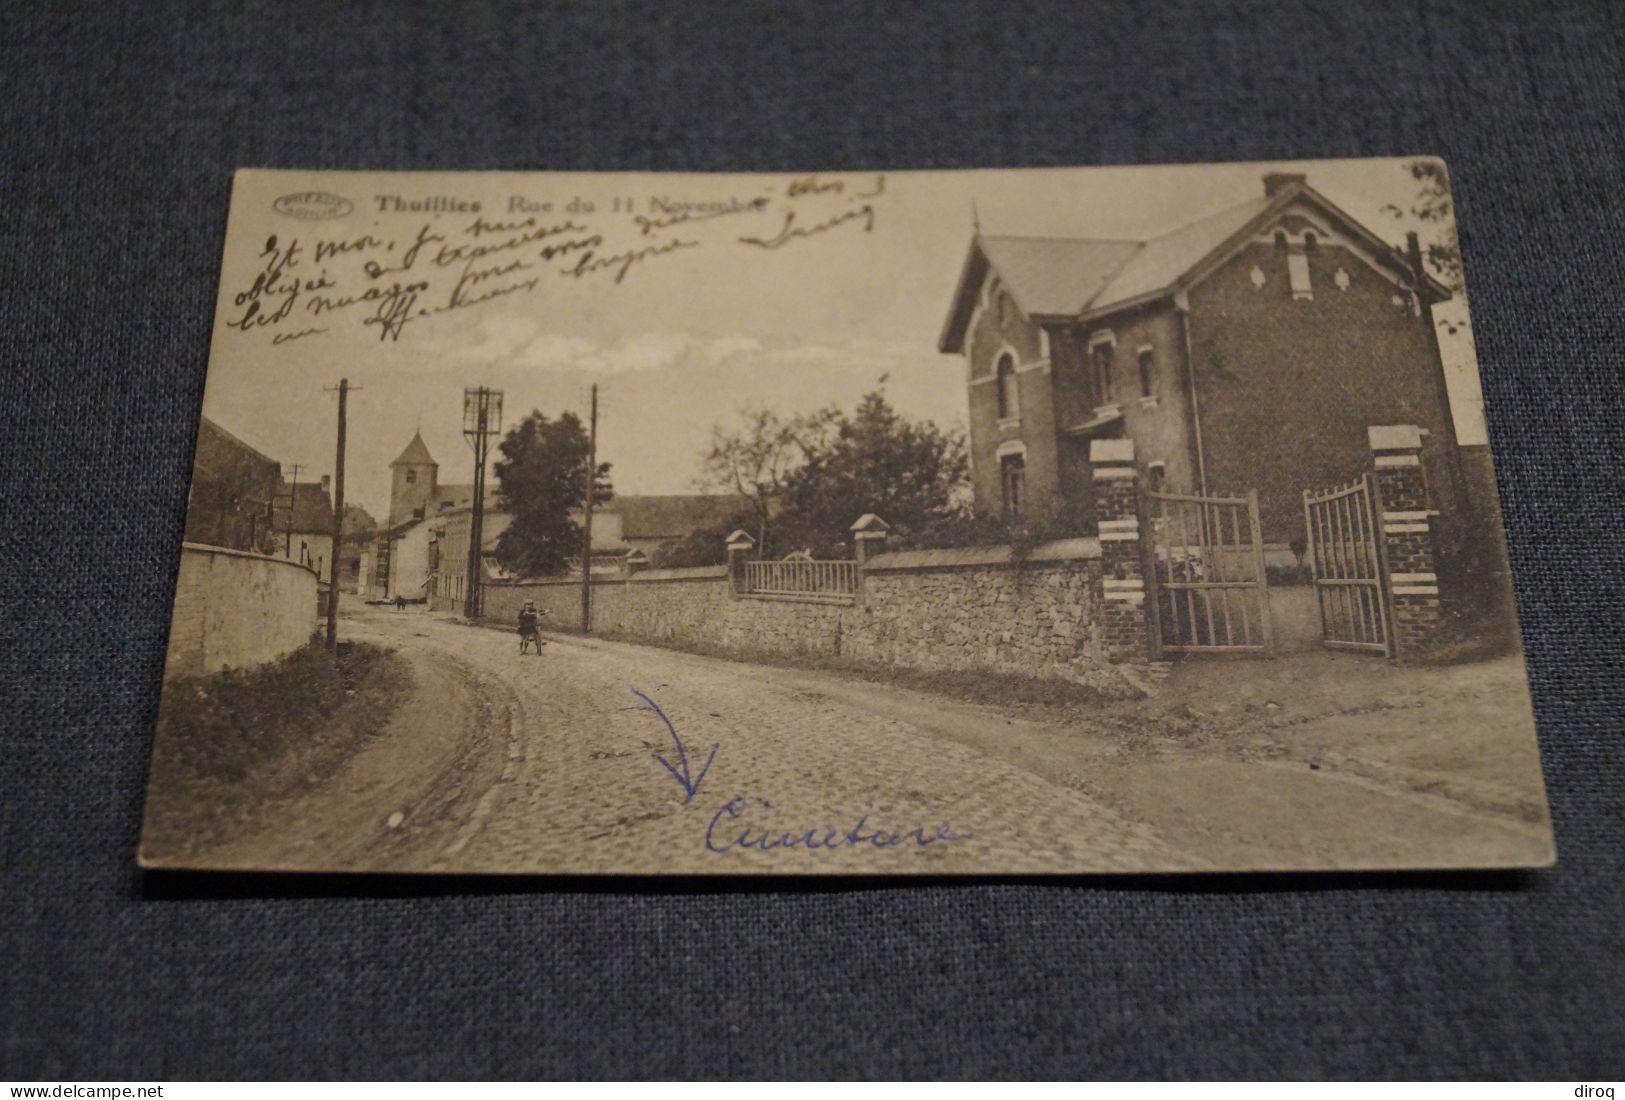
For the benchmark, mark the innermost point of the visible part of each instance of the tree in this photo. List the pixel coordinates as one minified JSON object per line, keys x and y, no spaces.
{"x":910,"y":473}
{"x":1435,"y":210}
{"x":542,"y":479}
{"x":702,"y":546}
{"x":756,"y":458}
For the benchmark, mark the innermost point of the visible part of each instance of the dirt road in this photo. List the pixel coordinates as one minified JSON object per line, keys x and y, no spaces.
{"x":511,"y":763}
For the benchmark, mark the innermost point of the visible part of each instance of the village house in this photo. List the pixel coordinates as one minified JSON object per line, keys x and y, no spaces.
{"x":302,"y":524}
{"x":449,"y":535}
{"x":648,"y":524}
{"x":395,"y":560}
{"x":1249,"y":349}
{"x":421,"y":554}
{"x":233,"y":485}
{"x":357,"y":530}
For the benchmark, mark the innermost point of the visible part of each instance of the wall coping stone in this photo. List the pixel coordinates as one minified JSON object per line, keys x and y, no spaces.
{"x":686,"y":573}
{"x":519,"y":582}
{"x":689,"y":573}
{"x":1061,"y":550}
{"x":1394,"y":437}
{"x":205,"y":548}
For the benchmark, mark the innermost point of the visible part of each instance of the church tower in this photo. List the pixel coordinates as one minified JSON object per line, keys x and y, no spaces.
{"x":412,"y":487}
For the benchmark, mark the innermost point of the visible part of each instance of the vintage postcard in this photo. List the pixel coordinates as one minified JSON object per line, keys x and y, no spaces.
{"x":994,"y":522}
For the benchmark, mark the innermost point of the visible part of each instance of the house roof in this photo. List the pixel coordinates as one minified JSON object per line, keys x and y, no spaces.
{"x":1064,"y":278}
{"x":493,"y":507}
{"x":672,"y":517}
{"x":207,"y":426}
{"x":416,"y":453}
{"x":357,"y":520}
{"x":312,"y":508}
{"x":461,"y":496}
{"x":1054,"y":275}
{"x":1160,"y":261}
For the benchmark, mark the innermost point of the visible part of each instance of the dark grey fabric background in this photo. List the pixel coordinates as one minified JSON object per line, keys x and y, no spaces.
{"x":119,"y":129}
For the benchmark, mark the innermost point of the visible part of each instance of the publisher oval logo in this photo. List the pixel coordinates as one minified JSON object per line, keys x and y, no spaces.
{"x":313,"y":206}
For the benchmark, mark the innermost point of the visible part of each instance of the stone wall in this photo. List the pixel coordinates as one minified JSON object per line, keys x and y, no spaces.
{"x":934,"y":610}
{"x":658,"y":604}
{"x":974,"y":609}
{"x":560,"y":600}
{"x":235,"y":609}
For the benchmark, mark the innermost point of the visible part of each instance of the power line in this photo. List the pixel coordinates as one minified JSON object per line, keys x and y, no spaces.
{"x":482,"y":418}
{"x":343,"y":390}
{"x":293,"y":497}
{"x":586,"y":538}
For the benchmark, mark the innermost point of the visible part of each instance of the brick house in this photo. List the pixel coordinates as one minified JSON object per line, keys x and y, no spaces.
{"x":1249,"y":349}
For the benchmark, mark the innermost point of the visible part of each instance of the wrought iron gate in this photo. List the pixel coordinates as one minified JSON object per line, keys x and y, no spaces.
{"x":1345,"y":551}
{"x":1207,"y":560}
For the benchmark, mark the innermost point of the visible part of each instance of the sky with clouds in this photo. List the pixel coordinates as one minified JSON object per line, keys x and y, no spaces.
{"x":686,"y":340}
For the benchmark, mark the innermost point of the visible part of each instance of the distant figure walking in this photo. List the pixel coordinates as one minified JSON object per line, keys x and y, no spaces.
{"x":530,"y":628}
{"x":400,"y":603}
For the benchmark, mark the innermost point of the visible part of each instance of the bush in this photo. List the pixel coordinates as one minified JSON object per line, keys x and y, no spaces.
{"x":1022,"y":535}
{"x":248,"y":725}
{"x":1289,"y":575}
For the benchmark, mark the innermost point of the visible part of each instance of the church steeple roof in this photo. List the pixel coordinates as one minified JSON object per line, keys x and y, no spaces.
{"x":416,"y":453}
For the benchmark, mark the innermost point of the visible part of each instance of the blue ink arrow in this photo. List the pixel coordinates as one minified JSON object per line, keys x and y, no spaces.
{"x":689,"y":785}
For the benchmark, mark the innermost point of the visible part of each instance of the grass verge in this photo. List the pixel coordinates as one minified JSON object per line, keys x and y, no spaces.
{"x":231,"y":744}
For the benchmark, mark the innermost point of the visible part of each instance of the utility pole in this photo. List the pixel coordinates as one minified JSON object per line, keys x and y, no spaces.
{"x":338,"y":517}
{"x":586,"y":536}
{"x":293,"y":497}
{"x":482,"y":418}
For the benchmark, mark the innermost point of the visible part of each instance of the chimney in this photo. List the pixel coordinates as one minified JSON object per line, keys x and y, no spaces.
{"x":1276,"y":181}
{"x":1413,"y":252}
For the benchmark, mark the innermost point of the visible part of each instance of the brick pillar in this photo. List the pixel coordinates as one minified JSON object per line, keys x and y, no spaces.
{"x":1407,"y":534}
{"x":1122,"y":577}
{"x":869,"y":537}
{"x":740,"y":545}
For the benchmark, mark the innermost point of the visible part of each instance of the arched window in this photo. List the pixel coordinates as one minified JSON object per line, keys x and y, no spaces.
{"x":411,"y":477}
{"x":1009,"y":394}
{"x":1280,"y":240}
{"x":1309,"y":242}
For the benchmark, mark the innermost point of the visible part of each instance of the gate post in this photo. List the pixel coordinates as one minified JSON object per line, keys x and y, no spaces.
{"x":739,"y":546}
{"x":1122,"y":568}
{"x":868,"y":539}
{"x":1407,"y":537}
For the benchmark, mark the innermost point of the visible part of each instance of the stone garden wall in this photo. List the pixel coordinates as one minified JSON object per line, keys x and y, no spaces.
{"x":931,"y":610}
{"x":234,"y":609}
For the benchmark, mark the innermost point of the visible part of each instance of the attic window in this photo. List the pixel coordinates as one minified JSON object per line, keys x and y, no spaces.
{"x":1280,"y":240}
{"x":1309,"y":242}
{"x":1297,"y":270}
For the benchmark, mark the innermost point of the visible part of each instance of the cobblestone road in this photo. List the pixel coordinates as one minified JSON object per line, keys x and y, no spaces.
{"x":510,"y":763}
